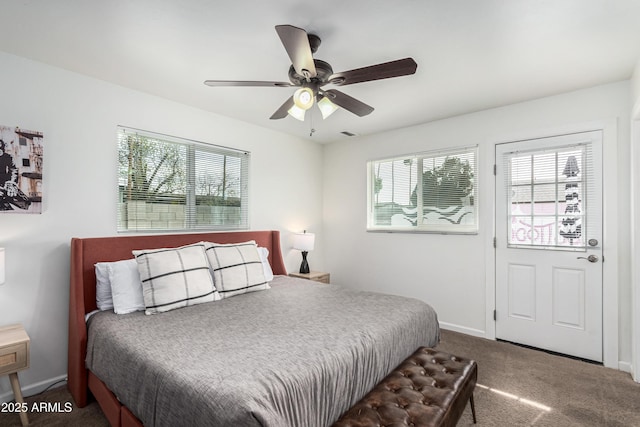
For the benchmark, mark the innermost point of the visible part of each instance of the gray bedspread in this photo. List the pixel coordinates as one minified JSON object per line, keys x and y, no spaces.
{"x":298,"y":354}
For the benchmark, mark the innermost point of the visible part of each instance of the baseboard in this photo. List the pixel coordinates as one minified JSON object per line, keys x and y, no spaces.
{"x":463,"y":329}
{"x":622,"y":366}
{"x":33,"y":389}
{"x":625,"y":367}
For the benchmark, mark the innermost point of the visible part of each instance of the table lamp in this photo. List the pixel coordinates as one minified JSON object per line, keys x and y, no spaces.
{"x":304,"y":242}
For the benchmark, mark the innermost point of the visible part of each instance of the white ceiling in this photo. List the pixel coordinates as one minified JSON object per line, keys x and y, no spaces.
{"x":471,"y":54}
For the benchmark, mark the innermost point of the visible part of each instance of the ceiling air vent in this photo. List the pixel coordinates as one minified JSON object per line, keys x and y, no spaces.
{"x":347,"y":133}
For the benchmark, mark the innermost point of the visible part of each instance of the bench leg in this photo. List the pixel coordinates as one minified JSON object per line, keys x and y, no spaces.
{"x":473,"y":408}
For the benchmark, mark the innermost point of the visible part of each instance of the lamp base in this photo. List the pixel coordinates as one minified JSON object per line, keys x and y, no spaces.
{"x":304,"y":267}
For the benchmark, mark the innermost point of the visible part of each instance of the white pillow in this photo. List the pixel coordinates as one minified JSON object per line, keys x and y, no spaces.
{"x":175,"y":277}
{"x":266,"y":267}
{"x":237,"y":268}
{"x":126,"y":288}
{"x":104,"y":300}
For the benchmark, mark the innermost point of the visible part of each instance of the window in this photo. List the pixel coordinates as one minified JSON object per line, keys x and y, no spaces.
{"x":167,"y":183}
{"x":424,"y":192}
{"x":548,"y":191}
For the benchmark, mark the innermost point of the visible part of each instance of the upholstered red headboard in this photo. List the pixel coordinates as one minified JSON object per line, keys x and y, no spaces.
{"x":82,"y":297}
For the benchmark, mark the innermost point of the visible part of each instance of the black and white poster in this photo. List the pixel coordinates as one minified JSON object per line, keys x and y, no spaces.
{"x":20,"y":170}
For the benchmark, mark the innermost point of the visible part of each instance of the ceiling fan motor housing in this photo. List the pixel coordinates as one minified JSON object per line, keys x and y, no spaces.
{"x":323,"y":72}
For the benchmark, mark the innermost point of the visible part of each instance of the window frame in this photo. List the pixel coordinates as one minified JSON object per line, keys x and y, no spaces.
{"x":420,"y":227}
{"x":191,"y":223}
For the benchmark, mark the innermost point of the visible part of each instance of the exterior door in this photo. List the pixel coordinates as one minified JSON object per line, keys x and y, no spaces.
{"x":549,"y":243}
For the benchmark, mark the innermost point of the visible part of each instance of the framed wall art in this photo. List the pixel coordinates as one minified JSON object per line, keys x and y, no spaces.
{"x":20,"y":170}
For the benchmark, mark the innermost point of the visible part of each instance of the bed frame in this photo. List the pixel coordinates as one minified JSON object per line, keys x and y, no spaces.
{"x":82,"y":300}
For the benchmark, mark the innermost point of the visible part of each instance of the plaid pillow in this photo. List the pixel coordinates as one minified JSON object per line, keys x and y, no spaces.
{"x":175,"y":277}
{"x":237,"y":268}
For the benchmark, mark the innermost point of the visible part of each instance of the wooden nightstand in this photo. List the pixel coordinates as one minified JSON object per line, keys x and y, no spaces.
{"x":14,"y":357}
{"x":316,"y":276}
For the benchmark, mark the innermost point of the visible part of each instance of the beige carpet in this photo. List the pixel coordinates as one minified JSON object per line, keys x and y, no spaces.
{"x":516,"y":387}
{"x":523,"y":387}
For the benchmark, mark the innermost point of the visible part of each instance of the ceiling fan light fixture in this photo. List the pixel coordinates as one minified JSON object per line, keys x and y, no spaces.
{"x":303,"y":98}
{"x":326,"y":107}
{"x":309,"y":75}
{"x":296,"y":112}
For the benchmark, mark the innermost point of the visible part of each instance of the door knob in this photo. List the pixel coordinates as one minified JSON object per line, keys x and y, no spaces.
{"x":590,"y":258}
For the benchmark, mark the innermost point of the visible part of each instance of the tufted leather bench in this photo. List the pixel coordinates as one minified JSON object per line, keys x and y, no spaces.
{"x":430,"y":388}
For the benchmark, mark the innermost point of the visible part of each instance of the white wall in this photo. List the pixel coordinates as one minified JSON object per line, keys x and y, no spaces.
{"x":78,"y":116}
{"x":635,"y":85}
{"x":450,"y":271}
{"x":635,"y":214}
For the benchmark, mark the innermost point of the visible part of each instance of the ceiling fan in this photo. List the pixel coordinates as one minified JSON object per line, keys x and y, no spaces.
{"x":311,"y":75}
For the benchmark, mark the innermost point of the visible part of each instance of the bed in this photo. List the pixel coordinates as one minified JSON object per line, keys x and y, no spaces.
{"x":299,"y":353}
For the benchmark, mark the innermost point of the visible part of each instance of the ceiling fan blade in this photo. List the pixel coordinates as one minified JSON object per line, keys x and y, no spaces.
{"x":347,"y":102}
{"x":296,"y":43}
{"x":282,"y":112}
{"x":400,"y":67}
{"x":221,"y":83}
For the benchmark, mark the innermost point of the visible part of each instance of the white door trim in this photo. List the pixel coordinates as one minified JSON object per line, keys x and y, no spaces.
{"x":635,"y":243}
{"x":610,"y":316}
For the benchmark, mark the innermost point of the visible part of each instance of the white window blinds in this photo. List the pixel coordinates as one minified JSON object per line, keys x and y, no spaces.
{"x":548,"y":195}
{"x":424,"y":192}
{"x":168,"y":183}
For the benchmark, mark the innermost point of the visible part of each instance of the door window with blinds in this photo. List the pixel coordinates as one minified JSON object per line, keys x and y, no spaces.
{"x":424,"y":192}
{"x":548,"y":194}
{"x":168,"y":183}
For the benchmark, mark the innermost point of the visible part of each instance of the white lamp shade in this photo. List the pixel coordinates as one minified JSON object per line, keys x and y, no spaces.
{"x":304,"y":241}
{"x":2,"y":277}
{"x":326,"y":107}
{"x":297,"y":113}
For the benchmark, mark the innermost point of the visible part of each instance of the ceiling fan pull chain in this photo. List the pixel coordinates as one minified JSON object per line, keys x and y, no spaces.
{"x":311,"y":129}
